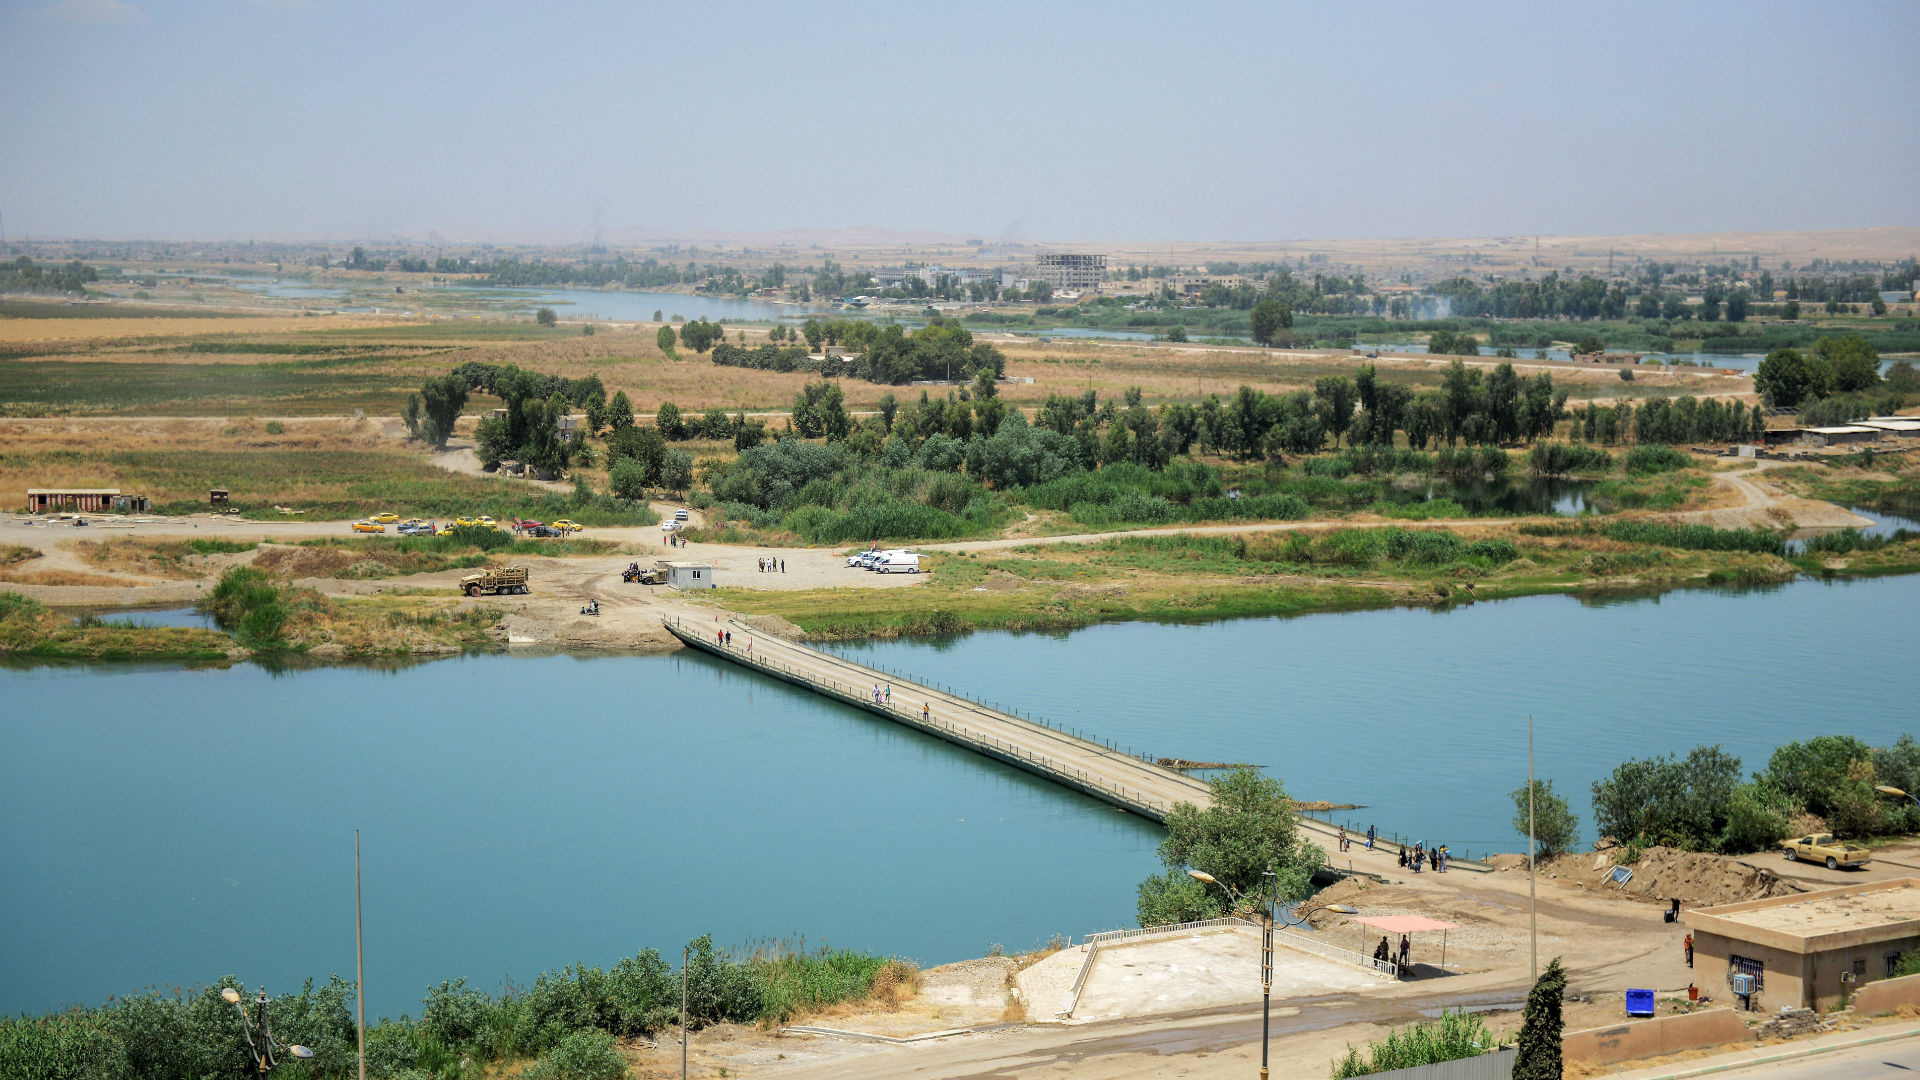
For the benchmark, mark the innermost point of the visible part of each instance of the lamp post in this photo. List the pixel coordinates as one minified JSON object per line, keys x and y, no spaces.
{"x":260,"y":1041}
{"x":1269,"y":890}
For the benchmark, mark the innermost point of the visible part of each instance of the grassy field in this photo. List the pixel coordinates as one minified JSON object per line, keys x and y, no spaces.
{"x":1178,"y":577}
{"x":328,"y":469}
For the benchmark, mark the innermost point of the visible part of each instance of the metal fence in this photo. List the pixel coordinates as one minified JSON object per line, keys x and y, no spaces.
{"x":1108,"y":937}
{"x":1497,"y":1065}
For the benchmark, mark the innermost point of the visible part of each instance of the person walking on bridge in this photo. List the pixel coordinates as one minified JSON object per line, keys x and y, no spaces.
{"x":1369,"y":838}
{"x":889,"y":695}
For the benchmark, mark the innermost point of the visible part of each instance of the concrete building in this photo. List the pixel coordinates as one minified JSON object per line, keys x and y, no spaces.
{"x":1080,"y":273}
{"x":691,"y":575}
{"x":1808,"y":950}
{"x":85,"y":500}
{"x":1900,"y":427}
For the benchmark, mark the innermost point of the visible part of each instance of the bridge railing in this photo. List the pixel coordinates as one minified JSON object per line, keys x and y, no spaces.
{"x":958,"y":733}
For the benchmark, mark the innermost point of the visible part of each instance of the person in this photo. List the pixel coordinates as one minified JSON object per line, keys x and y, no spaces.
{"x":729,"y":638}
{"x":1688,"y":945}
{"x":1673,"y":911}
{"x":720,"y":637}
{"x":1343,"y":838}
{"x":926,"y":713}
{"x":876,"y":693}
{"x":1380,"y":951}
{"x":889,"y":694}
{"x":1419,"y":857}
{"x":1369,"y":838}
{"x":783,"y":566}
{"x":1406,"y":947}
{"x":1442,"y":868}
{"x":1404,"y":861}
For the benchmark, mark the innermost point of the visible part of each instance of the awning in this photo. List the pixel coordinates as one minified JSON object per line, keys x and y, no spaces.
{"x":1405,"y":924}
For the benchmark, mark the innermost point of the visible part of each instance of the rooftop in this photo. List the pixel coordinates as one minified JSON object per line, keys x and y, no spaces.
{"x":1828,"y":918}
{"x":73,"y":491}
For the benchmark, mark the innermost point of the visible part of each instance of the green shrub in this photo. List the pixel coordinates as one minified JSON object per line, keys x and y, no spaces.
{"x":1558,"y":459}
{"x":583,"y":1055}
{"x":1695,"y":537}
{"x":1648,"y":458}
{"x":1496,"y":552}
{"x":1455,"y":1035}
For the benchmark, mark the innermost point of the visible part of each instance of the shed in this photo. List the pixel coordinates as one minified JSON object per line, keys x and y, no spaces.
{"x":1904,"y":427}
{"x":1842,"y":434}
{"x":94,"y":500}
{"x":692,"y":575}
{"x":217,"y":498}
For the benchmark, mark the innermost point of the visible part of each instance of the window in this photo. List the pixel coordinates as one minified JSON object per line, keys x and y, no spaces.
{"x":1893,"y":963}
{"x":1859,"y":968}
{"x":1740,"y":965}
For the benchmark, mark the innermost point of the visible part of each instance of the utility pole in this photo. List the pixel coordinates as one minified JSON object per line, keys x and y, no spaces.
{"x":1533,"y":906}
{"x":686,"y":952}
{"x":359,"y":961}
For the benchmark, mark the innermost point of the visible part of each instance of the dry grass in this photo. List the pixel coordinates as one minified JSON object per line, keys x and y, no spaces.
{"x":63,"y":577}
{"x":174,"y":559}
{"x":44,"y":331}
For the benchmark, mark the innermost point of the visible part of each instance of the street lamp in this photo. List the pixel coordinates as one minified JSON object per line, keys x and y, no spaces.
{"x":1269,"y":895}
{"x":1886,"y":789}
{"x":260,"y":1041}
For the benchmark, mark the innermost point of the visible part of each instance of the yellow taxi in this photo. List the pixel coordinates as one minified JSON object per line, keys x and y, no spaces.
{"x":369,"y":526}
{"x":411,"y":521}
{"x":567,"y":525}
{"x":386,"y":518}
{"x":488,"y":522}
{"x":464,"y":521}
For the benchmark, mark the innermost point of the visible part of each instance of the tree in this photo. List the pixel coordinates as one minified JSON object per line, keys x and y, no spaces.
{"x":665,"y":338}
{"x":748,"y":434}
{"x":1336,"y":395}
{"x":1855,"y":364}
{"x":1588,"y":344}
{"x":619,"y":412}
{"x":1554,"y":826}
{"x":412,"y":415}
{"x":1269,"y":318}
{"x":669,"y":422}
{"x":642,"y":444}
{"x":628,"y":479}
{"x":1737,"y":306}
{"x":1786,"y":378}
{"x":1248,"y":828}
{"x":1176,"y":334}
{"x":701,"y":334}
{"x":1538,"y":1055}
{"x":442,"y":399}
{"x":676,"y":470}
{"x":812,"y":331}
{"x":1682,"y":802}
{"x":596,"y":417}
{"x":1791,"y":310}
{"x":545,"y":317}
{"x":888,"y":409}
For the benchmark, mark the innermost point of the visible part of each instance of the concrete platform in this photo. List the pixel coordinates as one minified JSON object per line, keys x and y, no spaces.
{"x":1203,"y":970}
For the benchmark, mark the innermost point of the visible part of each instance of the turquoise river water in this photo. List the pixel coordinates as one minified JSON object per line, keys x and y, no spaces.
{"x":167,"y":826}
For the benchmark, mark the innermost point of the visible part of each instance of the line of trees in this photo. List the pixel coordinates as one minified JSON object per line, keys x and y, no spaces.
{"x":25,"y":275}
{"x":1843,"y":364}
{"x":1700,"y":802}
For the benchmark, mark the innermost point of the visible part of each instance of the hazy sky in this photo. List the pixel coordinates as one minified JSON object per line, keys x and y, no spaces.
{"x":1047,"y":121}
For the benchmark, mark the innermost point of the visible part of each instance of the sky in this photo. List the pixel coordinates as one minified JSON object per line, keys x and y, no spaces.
{"x":1038,"y":121}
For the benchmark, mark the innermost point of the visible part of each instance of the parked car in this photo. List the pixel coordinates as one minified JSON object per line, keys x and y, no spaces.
{"x":898,"y":562}
{"x":415,"y":528}
{"x":567,"y":525}
{"x":671,"y":526}
{"x":543,"y":531}
{"x":387,"y":518}
{"x":1822,"y":847}
{"x":369,"y":526}
{"x":487,"y":521}
{"x":680,"y":514}
{"x":465,"y":521}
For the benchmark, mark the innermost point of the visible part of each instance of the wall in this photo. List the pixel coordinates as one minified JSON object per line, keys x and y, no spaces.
{"x":1783,"y":983}
{"x":1887,"y":995}
{"x":1648,"y":1038}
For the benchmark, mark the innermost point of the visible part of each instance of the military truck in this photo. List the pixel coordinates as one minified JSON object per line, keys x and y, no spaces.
{"x":495,"y":579}
{"x":1822,"y":847}
{"x":650,"y":576}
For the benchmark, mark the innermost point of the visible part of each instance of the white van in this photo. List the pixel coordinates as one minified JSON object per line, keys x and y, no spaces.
{"x":898,"y":562}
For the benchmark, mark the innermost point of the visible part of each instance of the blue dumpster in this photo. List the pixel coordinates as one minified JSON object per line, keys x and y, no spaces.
{"x":1639,"y":1003}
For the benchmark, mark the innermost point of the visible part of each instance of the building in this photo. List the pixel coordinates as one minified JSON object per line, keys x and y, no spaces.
{"x":1843,"y":434}
{"x":1808,"y":950}
{"x":691,"y":575}
{"x":1901,"y":427}
{"x":1079,"y":273}
{"x":85,"y":500}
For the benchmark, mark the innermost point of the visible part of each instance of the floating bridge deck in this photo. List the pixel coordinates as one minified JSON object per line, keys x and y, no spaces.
{"x":1108,"y":774}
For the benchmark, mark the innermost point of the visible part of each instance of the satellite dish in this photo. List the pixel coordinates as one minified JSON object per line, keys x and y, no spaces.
{"x":299,"y":1051}
{"x":229,"y":995}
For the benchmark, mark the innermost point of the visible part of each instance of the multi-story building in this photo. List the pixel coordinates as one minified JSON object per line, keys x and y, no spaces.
{"x":1077,"y":273}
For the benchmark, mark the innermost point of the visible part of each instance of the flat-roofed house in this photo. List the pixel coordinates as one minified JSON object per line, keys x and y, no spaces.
{"x":1808,"y":950}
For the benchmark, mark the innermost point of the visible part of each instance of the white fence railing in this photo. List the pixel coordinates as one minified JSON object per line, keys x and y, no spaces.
{"x":1335,"y":952}
{"x":1108,"y":937}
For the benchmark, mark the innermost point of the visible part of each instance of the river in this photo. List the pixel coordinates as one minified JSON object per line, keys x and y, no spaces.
{"x":168,"y":826}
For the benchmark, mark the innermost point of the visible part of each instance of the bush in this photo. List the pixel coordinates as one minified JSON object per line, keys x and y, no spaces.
{"x":1696,"y":537}
{"x":1558,"y":459}
{"x":1455,"y":1035}
{"x":583,"y":1055}
{"x":484,"y":537}
{"x":249,"y":606}
{"x":1648,"y":458}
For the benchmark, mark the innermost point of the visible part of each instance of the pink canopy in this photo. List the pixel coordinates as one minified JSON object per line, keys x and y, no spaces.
{"x":1405,"y":924}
